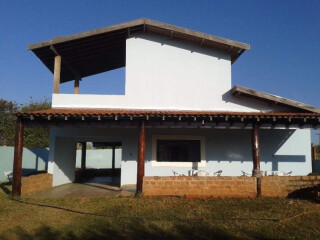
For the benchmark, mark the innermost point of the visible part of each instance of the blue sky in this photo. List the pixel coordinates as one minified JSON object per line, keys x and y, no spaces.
{"x":284,"y":38}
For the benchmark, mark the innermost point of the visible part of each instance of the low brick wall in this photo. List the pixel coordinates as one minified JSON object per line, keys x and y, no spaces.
{"x":219,"y":187}
{"x":272,"y":186}
{"x":231,"y":187}
{"x":35,"y":183}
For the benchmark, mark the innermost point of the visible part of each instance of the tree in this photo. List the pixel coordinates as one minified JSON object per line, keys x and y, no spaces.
{"x":36,"y":137}
{"x":7,"y":120}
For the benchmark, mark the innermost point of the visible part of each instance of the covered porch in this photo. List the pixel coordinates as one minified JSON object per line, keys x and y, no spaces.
{"x":143,"y":121}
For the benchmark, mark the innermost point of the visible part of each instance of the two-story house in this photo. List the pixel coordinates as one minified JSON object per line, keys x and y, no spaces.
{"x":179,"y":112}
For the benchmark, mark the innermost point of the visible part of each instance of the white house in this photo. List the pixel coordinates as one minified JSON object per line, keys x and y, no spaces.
{"x":179,"y":112}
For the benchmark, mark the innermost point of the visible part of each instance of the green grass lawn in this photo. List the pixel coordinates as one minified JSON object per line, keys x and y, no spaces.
{"x":157,"y":218}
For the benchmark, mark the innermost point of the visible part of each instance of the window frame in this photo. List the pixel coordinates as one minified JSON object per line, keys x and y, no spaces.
{"x":154,"y":161}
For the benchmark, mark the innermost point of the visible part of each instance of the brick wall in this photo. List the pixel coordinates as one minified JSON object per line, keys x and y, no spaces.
{"x":230,"y":187}
{"x":283,"y":186}
{"x":35,"y":183}
{"x":222,"y":187}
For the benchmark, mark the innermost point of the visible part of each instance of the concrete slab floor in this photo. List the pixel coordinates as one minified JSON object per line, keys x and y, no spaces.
{"x":105,"y":180}
{"x":95,"y":187}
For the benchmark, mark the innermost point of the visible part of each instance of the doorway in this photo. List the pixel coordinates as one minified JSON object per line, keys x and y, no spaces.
{"x":99,"y":163}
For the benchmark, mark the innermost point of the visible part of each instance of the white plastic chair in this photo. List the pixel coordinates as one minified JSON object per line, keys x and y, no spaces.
{"x":288,"y":173}
{"x":217,"y":173}
{"x":8,"y":175}
{"x":244,"y":174}
{"x":282,"y":173}
{"x":193,"y":172}
{"x":278,"y":173}
{"x":202,"y":173}
{"x":177,"y":174}
{"x":269,"y":173}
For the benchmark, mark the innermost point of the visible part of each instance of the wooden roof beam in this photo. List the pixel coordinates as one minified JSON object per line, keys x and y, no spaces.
{"x":202,"y":41}
{"x":237,"y":56}
{"x":65,"y":63}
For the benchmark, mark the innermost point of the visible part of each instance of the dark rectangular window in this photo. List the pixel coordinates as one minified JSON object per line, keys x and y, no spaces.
{"x":178,"y":151}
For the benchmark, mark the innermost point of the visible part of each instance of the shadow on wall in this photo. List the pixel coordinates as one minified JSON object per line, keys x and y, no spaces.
{"x":235,"y":146}
{"x":33,"y":160}
{"x":41,"y":156}
{"x":185,"y":45}
{"x":272,"y":141}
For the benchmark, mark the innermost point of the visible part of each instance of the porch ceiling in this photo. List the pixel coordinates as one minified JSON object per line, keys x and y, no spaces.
{"x":161,"y":117}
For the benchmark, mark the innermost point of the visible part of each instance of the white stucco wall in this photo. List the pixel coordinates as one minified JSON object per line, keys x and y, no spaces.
{"x":228,"y":150}
{"x":33,"y":160}
{"x":164,"y":73}
{"x":62,"y":161}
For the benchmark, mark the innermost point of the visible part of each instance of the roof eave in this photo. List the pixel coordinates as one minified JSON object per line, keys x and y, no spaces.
{"x":239,"y":90}
{"x":57,"y":40}
{"x":141,"y":21}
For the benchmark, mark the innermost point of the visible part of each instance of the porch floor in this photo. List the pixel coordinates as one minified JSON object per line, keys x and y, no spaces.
{"x":93,"y":187}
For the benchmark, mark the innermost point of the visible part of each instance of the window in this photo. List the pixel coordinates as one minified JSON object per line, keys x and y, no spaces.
{"x":178,"y":151}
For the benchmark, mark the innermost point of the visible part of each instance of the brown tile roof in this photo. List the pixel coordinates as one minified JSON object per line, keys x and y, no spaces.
{"x":140,"y":113}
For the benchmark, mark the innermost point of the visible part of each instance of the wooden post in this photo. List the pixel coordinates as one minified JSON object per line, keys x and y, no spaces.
{"x":17,"y":160}
{"x":141,"y":156}
{"x":314,"y":157}
{"x":314,"y":152}
{"x":256,"y":157}
{"x":113,"y":158}
{"x":83,"y":157}
{"x":76,"y":85}
{"x":56,"y":75}
{"x":255,"y":150}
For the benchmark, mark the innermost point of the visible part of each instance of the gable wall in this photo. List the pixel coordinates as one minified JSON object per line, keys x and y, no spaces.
{"x":164,"y":73}
{"x":173,"y":74}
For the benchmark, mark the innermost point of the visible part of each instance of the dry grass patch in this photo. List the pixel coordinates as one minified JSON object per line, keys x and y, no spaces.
{"x":157,"y":218}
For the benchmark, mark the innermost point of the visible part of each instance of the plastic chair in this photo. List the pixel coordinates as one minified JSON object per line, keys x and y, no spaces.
{"x":288,"y":173}
{"x":8,"y":175}
{"x":193,"y":172}
{"x":217,"y":173}
{"x":177,"y":174}
{"x":244,"y":174}
{"x":269,"y":173}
